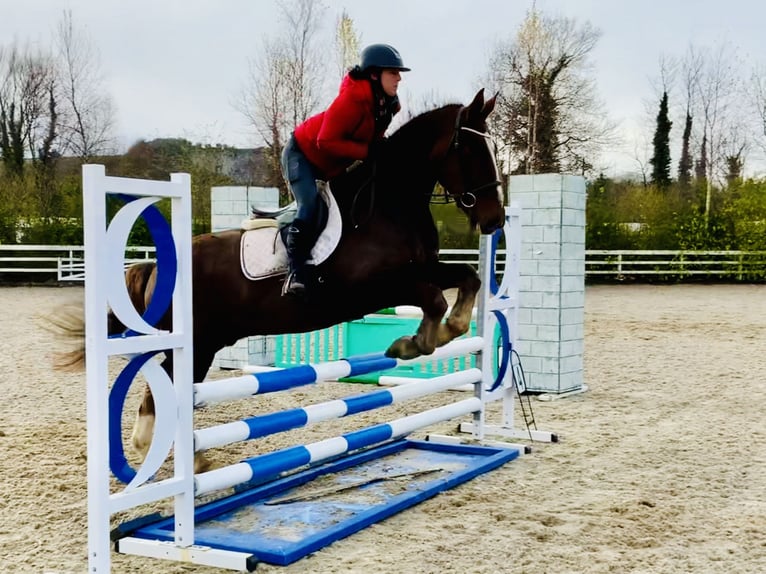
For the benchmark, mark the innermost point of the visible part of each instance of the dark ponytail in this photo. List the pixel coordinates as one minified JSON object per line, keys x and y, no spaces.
{"x":358,"y":73}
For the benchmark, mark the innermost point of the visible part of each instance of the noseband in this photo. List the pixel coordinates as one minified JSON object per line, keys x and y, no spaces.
{"x":468,"y":198}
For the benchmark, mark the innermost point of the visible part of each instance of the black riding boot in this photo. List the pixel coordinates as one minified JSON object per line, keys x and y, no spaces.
{"x":298,"y":242}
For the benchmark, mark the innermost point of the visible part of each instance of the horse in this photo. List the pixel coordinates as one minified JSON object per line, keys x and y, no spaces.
{"x":388,"y":253}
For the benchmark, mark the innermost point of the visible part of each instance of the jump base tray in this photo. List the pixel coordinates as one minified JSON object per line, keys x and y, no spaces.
{"x":285,"y":520}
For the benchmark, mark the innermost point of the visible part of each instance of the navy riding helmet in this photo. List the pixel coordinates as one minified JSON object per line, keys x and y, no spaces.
{"x":382,"y":56}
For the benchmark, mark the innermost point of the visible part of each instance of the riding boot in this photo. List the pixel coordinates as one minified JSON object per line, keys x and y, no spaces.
{"x":298,"y":242}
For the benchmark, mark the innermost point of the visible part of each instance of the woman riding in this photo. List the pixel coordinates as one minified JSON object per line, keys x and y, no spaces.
{"x":324,"y":145}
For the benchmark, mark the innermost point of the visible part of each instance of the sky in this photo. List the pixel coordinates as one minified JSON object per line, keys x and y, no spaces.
{"x":174,"y":68}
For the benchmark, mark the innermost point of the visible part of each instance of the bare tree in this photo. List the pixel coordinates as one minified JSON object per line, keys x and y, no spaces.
{"x":87,"y":120}
{"x":306,"y":57}
{"x":714,"y":82}
{"x":757,"y":95}
{"x":284,"y":83}
{"x":548,"y":116}
{"x":265,"y":104}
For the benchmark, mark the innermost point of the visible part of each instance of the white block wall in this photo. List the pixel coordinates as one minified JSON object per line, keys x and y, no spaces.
{"x":229,"y":206}
{"x":552,"y":281}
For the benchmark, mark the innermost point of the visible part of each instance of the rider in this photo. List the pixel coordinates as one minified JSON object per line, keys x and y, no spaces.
{"x":326,"y":144}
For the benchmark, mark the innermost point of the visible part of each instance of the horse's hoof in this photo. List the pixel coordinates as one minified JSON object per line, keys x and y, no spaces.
{"x":403,"y":348}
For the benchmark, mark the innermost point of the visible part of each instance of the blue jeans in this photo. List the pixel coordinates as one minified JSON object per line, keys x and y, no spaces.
{"x":301,"y":178}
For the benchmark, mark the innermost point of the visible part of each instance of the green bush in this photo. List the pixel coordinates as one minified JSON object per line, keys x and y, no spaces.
{"x":53,"y":231}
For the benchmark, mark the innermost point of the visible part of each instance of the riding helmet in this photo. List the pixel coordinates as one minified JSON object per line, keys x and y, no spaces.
{"x":382,"y":56}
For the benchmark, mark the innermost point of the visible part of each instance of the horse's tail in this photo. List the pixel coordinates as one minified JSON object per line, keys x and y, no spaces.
{"x":70,"y":322}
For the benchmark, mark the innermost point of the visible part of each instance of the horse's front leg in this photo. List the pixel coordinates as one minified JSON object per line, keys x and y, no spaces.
{"x":466,"y":280}
{"x":143,"y":426}
{"x":430,"y":299}
{"x":429,"y":295}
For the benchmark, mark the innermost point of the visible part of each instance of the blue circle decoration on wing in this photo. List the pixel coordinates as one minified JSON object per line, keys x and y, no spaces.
{"x":117,"y":461}
{"x":164,"y":427}
{"x":167,"y":265}
{"x":504,"y":348}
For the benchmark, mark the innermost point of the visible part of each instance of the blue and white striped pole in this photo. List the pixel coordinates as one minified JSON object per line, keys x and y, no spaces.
{"x":272,"y":464}
{"x":263,"y":425}
{"x":280,"y":380}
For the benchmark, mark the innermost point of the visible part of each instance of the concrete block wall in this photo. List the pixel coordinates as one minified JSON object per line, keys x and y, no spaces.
{"x":550,"y":338}
{"x":229,"y":205}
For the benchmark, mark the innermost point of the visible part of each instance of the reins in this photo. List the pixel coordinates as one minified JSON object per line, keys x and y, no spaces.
{"x":369,"y":182}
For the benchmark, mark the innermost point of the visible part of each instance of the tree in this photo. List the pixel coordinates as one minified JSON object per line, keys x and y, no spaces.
{"x":661,"y":144}
{"x":734,"y":148}
{"x":685,"y":161}
{"x":284,"y":83}
{"x":88,"y":115}
{"x":716,"y":87}
{"x":265,"y":104}
{"x":548,"y":117}
{"x":306,"y":61}
{"x":27,"y":103}
{"x":700,"y":166}
{"x":756,"y":91}
{"x":346,"y":43}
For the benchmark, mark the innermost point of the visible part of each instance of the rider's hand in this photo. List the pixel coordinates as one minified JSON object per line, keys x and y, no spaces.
{"x":354,"y":165}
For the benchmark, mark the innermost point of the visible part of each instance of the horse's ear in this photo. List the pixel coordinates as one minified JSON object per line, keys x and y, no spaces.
{"x":475,"y":107}
{"x":489,"y":106}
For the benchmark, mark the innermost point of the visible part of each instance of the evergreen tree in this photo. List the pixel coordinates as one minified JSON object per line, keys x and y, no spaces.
{"x":700,"y":168}
{"x":685,"y":163}
{"x":661,"y":159}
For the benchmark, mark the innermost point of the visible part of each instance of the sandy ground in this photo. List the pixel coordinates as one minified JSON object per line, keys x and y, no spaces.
{"x":661,"y":465}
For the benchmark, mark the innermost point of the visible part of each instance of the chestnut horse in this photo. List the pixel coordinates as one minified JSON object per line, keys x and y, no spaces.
{"x":388,"y":253}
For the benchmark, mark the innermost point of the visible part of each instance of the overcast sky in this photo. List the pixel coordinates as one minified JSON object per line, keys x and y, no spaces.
{"x":174,"y":67}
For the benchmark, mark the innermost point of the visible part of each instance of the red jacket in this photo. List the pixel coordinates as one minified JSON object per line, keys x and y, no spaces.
{"x":333,"y":139}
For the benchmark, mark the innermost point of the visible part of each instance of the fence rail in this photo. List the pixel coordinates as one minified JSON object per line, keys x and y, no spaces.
{"x":66,"y":263}
{"x":54,"y":262}
{"x":655,"y":264}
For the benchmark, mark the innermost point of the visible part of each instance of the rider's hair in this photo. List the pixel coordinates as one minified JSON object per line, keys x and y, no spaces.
{"x":358,"y":73}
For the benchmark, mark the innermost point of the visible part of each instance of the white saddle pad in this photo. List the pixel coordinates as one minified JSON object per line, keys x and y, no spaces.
{"x":263,"y":254}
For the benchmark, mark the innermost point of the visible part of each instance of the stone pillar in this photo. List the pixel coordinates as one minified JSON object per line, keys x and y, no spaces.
{"x":229,"y":206}
{"x":552,"y":282}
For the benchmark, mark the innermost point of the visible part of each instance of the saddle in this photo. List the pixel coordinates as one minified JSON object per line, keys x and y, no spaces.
{"x":262,"y":247}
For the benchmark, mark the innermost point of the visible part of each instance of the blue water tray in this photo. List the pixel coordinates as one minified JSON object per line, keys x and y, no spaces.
{"x":283,"y":521}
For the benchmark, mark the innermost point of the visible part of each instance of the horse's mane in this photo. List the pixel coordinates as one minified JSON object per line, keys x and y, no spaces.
{"x":422,"y":124}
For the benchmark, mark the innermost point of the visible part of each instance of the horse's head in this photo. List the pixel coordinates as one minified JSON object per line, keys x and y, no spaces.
{"x":468,"y":171}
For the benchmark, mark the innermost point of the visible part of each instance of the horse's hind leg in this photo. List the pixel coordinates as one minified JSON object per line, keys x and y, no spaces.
{"x":143,"y":427}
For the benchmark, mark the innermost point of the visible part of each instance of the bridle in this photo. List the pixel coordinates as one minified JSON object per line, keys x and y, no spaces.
{"x":468,"y":198}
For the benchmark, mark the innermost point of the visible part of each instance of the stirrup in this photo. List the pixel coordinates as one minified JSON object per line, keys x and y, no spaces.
{"x":293,"y":285}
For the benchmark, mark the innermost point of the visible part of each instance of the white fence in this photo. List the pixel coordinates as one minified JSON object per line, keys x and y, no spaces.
{"x":657,"y":264}
{"x":66,"y":263}
{"x":59,"y":262}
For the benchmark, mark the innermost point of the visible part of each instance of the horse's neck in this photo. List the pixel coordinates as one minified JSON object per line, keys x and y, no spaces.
{"x":398,"y":181}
